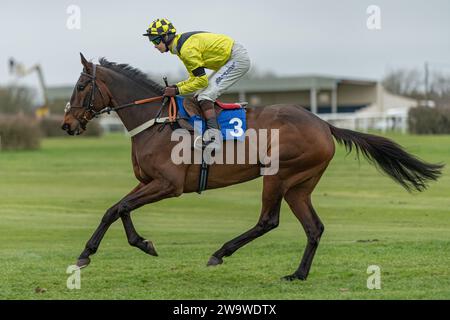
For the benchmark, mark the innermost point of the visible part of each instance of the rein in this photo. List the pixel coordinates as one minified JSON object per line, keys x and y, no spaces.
{"x":171,"y":118}
{"x":172,"y":107}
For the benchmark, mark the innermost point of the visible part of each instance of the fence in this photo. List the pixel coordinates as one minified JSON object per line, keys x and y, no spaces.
{"x":392,"y":120}
{"x":112,"y":123}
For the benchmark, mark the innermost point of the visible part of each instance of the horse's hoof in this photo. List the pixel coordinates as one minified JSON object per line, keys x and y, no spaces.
{"x":214,"y":261}
{"x":150,"y":248}
{"x":83,"y":262}
{"x":293,"y":277}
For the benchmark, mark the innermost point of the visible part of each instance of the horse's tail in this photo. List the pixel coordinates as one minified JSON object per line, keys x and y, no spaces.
{"x":404,"y":168}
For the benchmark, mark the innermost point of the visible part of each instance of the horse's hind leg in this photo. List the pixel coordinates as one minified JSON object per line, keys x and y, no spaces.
{"x":299,"y":200}
{"x":268,"y":220}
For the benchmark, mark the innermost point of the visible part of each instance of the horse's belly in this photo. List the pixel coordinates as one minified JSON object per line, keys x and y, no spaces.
{"x":221,"y":176}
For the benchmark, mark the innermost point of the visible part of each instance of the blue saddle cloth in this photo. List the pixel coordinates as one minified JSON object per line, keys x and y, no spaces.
{"x":232,"y":123}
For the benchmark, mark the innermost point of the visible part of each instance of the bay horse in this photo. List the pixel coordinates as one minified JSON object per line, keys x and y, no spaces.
{"x":306,"y":147}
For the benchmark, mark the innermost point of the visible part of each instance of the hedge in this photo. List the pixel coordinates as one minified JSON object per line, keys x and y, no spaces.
{"x":424,"y":120}
{"x":19,"y":133}
{"x":51,"y":127}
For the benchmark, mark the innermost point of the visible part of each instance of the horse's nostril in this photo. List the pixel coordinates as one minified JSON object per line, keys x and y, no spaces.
{"x":65,"y":126}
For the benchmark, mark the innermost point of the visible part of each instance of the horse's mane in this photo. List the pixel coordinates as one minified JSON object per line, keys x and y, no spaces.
{"x":132,"y":73}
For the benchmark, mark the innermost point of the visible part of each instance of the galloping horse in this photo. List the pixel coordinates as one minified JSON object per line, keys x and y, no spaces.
{"x":306,"y":147}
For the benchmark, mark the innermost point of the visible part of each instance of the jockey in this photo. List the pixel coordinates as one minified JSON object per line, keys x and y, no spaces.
{"x":198,"y":51}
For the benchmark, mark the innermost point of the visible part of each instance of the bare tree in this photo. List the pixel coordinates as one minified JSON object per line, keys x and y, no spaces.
{"x":440,"y":89}
{"x":411,"y":83}
{"x":404,"y":82}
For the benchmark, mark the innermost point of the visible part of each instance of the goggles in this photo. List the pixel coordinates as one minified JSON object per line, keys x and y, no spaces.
{"x":155,"y":40}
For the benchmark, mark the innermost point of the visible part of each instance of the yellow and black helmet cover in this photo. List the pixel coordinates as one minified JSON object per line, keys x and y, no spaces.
{"x":160,"y":27}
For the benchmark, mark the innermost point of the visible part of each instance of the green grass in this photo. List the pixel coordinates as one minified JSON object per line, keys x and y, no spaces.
{"x":51,"y":201}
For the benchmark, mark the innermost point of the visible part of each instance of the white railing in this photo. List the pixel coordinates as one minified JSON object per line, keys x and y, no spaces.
{"x":112,"y":123}
{"x":393,"y":120}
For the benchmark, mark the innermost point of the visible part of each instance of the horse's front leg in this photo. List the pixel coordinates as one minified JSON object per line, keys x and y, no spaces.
{"x":143,"y":194}
{"x":93,"y":243}
{"x":134,"y":238}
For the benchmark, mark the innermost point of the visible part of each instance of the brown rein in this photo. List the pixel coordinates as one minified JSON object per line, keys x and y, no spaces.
{"x":172,"y":105}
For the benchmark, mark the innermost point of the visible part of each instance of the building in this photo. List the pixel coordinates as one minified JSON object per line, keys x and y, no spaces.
{"x":341,"y":100}
{"x":319,"y":94}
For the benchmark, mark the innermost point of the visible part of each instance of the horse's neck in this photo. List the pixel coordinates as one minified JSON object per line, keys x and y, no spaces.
{"x":125,"y":91}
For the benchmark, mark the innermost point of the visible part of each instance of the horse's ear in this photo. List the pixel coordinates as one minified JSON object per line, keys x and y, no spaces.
{"x":84,"y":62}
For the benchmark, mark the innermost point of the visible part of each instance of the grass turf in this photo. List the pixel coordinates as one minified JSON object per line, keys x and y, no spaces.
{"x":51,"y":201}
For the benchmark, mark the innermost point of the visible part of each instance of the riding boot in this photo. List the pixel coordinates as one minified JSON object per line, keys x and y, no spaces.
{"x":212,"y":123}
{"x":212,"y":126}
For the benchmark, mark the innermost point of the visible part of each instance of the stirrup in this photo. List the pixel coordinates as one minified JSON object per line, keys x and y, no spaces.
{"x":198,"y":143}
{"x":201,"y":145}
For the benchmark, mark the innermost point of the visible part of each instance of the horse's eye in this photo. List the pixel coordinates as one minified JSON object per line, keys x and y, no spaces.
{"x":80,"y":87}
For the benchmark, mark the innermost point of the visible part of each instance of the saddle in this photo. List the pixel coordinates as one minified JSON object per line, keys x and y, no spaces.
{"x":188,"y":109}
{"x":192,"y":108}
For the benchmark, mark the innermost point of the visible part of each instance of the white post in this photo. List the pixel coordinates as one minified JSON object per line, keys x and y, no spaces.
{"x":366,"y":125}
{"x":313,"y":100}
{"x":404,"y":122}
{"x":334,"y":99}
{"x":242,"y":96}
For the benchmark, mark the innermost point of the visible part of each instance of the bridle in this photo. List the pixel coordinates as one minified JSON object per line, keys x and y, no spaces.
{"x":89,"y":109}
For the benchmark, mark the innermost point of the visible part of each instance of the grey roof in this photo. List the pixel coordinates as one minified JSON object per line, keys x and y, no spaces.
{"x":295,"y":83}
{"x":275,"y":84}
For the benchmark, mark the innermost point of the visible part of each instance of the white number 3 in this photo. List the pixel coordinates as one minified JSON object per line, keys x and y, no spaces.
{"x":238,"y":131}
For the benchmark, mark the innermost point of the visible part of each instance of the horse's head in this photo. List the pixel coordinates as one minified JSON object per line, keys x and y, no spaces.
{"x":89,"y":97}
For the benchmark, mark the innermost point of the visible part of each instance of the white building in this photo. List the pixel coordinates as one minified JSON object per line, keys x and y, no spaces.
{"x":347,"y":102}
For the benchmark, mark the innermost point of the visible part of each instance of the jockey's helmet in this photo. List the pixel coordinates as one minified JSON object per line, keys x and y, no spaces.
{"x":159,"y":28}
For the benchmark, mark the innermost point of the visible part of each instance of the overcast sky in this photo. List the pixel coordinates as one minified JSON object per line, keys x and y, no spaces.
{"x":288,"y":37}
